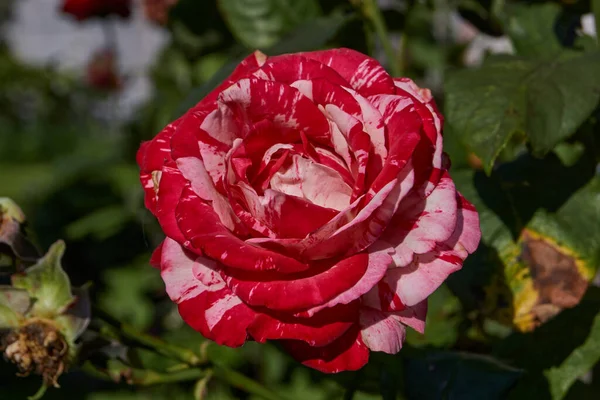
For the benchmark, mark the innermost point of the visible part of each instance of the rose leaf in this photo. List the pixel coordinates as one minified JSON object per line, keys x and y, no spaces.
{"x":452,"y":375}
{"x":258,"y":24}
{"x":545,"y":100}
{"x":531,"y":29}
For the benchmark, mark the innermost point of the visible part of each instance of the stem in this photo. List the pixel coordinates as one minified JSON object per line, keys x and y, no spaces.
{"x":142,"y":377}
{"x":371,"y":12}
{"x":39,"y":394}
{"x":114,"y":330}
{"x":596,"y":11}
{"x":183,"y":354}
{"x":244,"y":383}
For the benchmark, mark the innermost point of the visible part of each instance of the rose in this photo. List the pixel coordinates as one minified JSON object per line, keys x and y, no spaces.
{"x":85,"y":9}
{"x":307,"y":199}
{"x":101,"y":71}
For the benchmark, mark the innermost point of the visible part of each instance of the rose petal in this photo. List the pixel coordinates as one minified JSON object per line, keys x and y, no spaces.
{"x":285,"y":214}
{"x":420,"y":223}
{"x":289,"y":68}
{"x":194,"y":171}
{"x":208,"y":306}
{"x":156,"y":256}
{"x":320,"y":185}
{"x":202,"y":227}
{"x":415,"y":282}
{"x":170,"y":188}
{"x":252,"y":100}
{"x":363,"y":230}
{"x":364,"y":73}
{"x":321,"y":283}
{"x":348,"y":353}
{"x":381,"y":331}
{"x":378,"y":264}
{"x":320,"y":330}
{"x":432,"y":125}
{"x":414,"y":316}
{"x":151,"y":157}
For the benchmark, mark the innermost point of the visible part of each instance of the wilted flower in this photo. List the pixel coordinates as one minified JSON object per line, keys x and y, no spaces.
{"x":41,"y":317}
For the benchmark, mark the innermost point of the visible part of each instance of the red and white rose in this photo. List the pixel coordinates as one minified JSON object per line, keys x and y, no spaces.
{"x":307,"y":200}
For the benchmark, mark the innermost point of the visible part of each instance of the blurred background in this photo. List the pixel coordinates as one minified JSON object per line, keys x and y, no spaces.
{"x":81,"y":87}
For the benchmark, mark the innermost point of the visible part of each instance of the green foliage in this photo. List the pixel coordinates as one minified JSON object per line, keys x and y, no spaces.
{"x":531,"y":29}
{"x":544,"y":100}
{"x":579,"y":362}
{"x":47,"y":283}
{"x":439,"y":375}
{"x":258,"y":24}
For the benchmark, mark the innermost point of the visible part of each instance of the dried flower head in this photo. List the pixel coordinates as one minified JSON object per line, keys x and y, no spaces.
{"x":39,"y":348}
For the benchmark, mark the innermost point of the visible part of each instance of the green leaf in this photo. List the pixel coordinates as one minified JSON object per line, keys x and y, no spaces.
{"x":531,"y":29}
{"x":101,"y":224}
{"x":125,"y":297}
{"x":546,"y":100}
{"x":47,"y":283}
{"x":540,"y":245}
{"x":450,"y":375}
{"x":259,"y":24}
{"x":311,"y":34}
{"x":14,"y":303}
{"x":580,"y":361}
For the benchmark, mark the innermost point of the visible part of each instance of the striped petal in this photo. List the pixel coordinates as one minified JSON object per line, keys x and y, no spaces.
{"x":321,"y":283}
{"x":381,"y":331}
{"x":200,"y":225}
{"x":348,"y":353}
{"x":364,"y":73}
{"x":415,"y":282}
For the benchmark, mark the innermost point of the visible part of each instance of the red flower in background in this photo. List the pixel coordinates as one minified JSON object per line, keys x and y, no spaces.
{"x":102,"y":71}
{"x":307,"y":199}
{"x":158,"y":10}
{"x":85,"y":9}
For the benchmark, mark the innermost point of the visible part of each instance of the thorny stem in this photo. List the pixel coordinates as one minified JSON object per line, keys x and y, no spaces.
{"x":118,"y":371}
{"x":191,"y":370}
{"x":142,"y":377}
{"x":115,"y":330}
{"x":372,"y":13}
